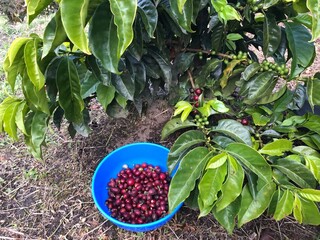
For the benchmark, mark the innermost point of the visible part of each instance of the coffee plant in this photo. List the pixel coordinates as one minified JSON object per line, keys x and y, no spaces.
{"x":249,"y":142}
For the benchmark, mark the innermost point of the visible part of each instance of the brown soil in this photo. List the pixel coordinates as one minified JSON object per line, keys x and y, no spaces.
{"x":52,"y":199}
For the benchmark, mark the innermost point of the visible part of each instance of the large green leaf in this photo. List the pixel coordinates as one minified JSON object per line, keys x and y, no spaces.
{"x":104,"y":42}
{"x":250,"y":71}
{"x":251,"y":159}
{"x":284,"y":206}
{"x":184,"y":15}
{"x":313,"y":164}
{"x":73,"y":16}
{"x":312,"y":123}
{"x":227,"y":216}
{"x":124,"y":12}
{"x":211,"y":183}
{"x":183,"y":142}
{"x":276,"y":148}
{"x":68,"y":84}
{"x":271,"y":35}
{"x":54,"y":34}
{"x":232,"y":187}
{"x":124,"y":85}
{"x":313,"y":95}
{"x":306,"y":211}
{"x":210,"y":66}
{"x":35,"y":7}
{"x":257,"y":205}
{"x":9,"y":119}
{"x":233,"y":129}
{"x":297,"y":172}
{"x":105,"y":95}
{"x":20,"y":116}
{"x":314,"y":8}
{"x":310,"y":194}
{"x":89,"y":85}
{"x":149,"y":15}
{"x":258,"y":86}
{"x":182,"y":183}
{"x":34,"y":96}
{"x":225,"y":11}
{"x":14,"y":48}
{"x":301,"y":48}
{"x":173,"y":125}
{"x":39,"y":128}
{"x":31,"y":61}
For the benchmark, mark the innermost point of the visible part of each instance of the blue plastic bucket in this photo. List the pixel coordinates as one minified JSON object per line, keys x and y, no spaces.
{"x":109,"y":167}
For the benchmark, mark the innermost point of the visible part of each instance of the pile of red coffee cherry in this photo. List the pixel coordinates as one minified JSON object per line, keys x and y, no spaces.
{"x":139,"y":195}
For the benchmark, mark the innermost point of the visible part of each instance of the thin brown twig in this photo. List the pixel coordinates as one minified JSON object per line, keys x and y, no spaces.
{"x":191,"y":79}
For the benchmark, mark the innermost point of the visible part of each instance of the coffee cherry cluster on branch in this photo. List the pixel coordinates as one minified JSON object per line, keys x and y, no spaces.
{"x":195,"y":96}
{"x":282,"y":70}
{"x":139,"y":195}
{"x":201,"y":122}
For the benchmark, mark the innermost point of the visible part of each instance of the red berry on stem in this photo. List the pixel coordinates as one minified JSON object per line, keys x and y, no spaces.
{"x":198,"y":91}
{"x":244,"y":121}
{"x":196,"y":97}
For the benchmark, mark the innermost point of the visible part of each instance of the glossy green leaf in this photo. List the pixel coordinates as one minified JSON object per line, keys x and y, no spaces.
{"x":73,"y":16}
{"x":257,"y":205}
{"x":149,"y":15}
{"x":284,"y":206}
{"x":174,"y":125}
{"x":227,"y":216}
{"x":204,"y":209}
{"x":304,"y":18}
{"x":313,"y":164}
{"x":218,"y":106}
{"x":211,"y":183}
{"x":271,"y":35}
{"x":31,"y":61}
{"x":124,"y":85}
{"x":225,"y":11}
{"x":250,"y":71}
{"x":124,"y":12}
{"x":306,"y":211}
{"x":296,"y":172}
{"x":14,"y":48}
{"x":232,"y":187}
{"x":89,"y":85}
{"x":277,"y":147}
{"x":183,"y":107}
{"x":251,"y":159}
{"x":54,"y":34}
{"x":313,"y":94}
{"x":182,"y":62}
{"x":9,"y":120}
{"x":310,"y":194}
{"x":3,"y":107}
{"x":68,"y":84}
{"x":259,"y":86}
{"x":181,"y":145}
{"x":306,"y":151}
{"x":314,"y":8}
{"x":233,"y":129}
{"x":103,"y":41}
{"x":35,"y":7}
{"x":298,"y":38}
{"x":34,"y":96}
{"x":20,"y":116}
{"x":312,"y":123}
{"x":189,"y":171}
{"x":184,"y":17}
{"x":39,"y":128}
{"x":260,"y":119}
{"x":105,"y":95}
{"x":217,"y":161}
